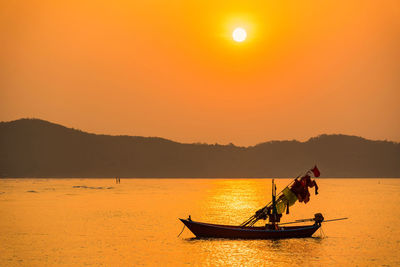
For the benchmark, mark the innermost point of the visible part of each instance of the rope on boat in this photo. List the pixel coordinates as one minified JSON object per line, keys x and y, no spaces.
{"x":322,"y":233}
{"x":182,"y":230}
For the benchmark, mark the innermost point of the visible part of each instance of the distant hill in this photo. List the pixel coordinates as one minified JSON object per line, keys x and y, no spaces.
{"x":37,"y":148}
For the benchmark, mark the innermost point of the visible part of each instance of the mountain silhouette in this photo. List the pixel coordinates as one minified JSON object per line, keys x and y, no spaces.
{"x":37,"y":148}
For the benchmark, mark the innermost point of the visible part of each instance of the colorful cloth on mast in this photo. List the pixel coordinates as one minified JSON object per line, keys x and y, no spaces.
{"x":298,"y":191}
{"x":280,"y":207}
{"x":300,"y":188}
{"x":290,"y":197}
{"x":287,"y":198}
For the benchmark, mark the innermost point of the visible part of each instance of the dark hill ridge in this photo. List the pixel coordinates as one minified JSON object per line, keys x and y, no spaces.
{"x":37,"y":148}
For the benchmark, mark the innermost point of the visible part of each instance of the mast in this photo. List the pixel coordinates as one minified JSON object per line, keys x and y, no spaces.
{"x":273,"y":217}
{"x":273,"y":196}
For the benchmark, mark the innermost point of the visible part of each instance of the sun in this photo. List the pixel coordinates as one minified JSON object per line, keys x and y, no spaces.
{"x":239,"y":35}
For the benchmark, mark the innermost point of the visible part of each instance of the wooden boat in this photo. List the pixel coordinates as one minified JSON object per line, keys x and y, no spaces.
{"x":207,"y":230}
{"x":297,"y":190}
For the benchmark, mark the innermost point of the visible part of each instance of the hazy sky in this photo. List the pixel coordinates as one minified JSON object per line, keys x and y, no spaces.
{"x":171,"y":68}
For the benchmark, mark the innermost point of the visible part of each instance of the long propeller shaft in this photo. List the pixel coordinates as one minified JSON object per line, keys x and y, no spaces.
{"x":309,"y":220}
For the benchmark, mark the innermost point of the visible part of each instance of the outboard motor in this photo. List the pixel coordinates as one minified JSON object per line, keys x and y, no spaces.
{"x":318,"y":218}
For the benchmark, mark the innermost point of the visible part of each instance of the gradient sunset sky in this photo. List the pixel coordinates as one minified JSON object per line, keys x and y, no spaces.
{"x":171,"y":68}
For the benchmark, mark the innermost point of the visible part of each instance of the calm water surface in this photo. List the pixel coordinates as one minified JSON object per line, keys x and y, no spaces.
{"x":76,"y":222}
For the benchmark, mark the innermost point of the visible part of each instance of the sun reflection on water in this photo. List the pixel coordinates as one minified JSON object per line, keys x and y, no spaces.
{"x":229,"y":200}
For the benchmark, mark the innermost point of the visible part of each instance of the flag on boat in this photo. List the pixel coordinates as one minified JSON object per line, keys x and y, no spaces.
{"x":315,"y":171}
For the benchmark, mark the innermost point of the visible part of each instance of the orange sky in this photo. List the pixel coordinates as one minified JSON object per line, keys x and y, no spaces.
{"x":171,"y":69}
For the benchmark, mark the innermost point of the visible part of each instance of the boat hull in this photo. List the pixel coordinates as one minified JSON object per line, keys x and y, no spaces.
{"x":206,"y":230}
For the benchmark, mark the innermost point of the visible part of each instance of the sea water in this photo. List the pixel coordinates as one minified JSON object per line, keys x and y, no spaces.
{"x":74,"y":222}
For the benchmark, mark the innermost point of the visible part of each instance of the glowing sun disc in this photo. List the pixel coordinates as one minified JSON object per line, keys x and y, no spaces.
{"x":239,"y":35}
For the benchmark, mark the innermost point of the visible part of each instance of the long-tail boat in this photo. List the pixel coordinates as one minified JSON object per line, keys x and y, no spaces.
{"x":297,"y":190}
